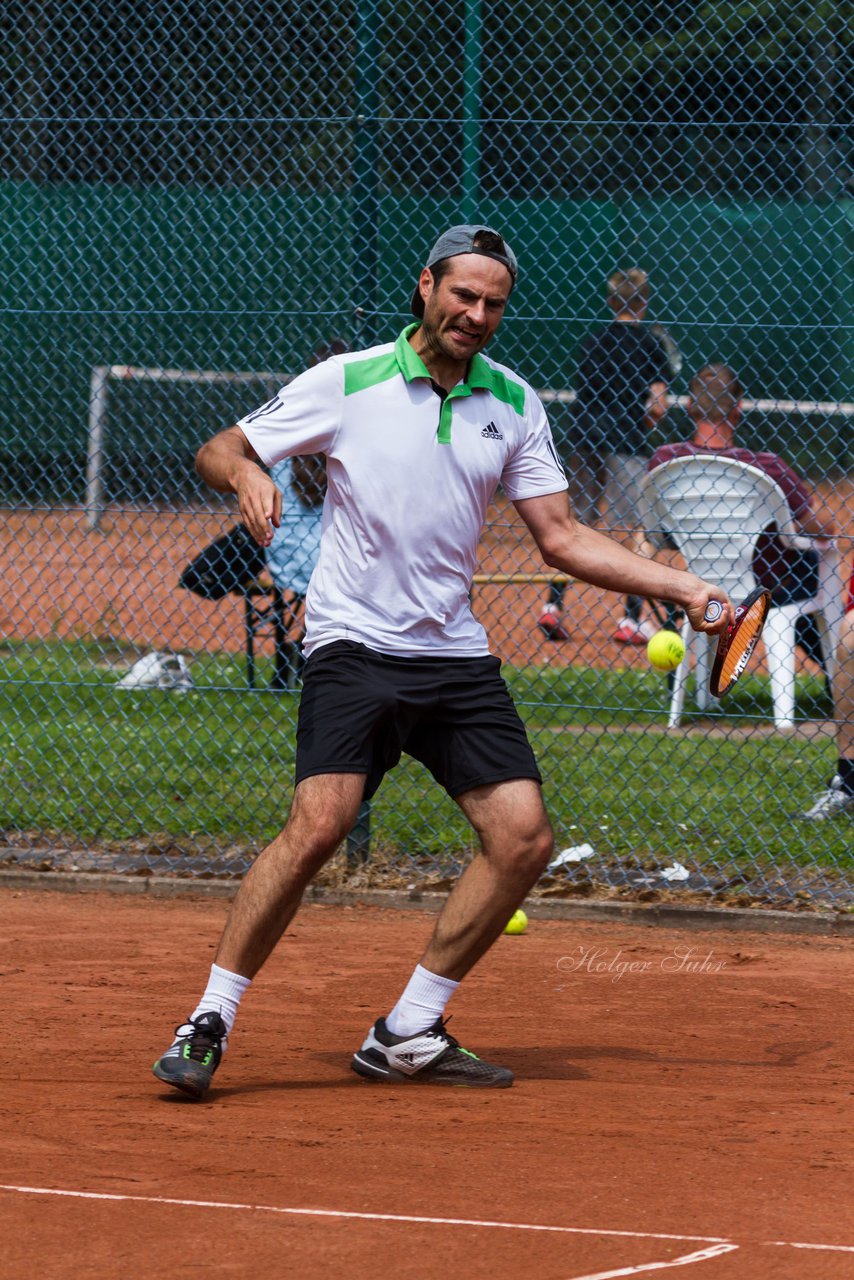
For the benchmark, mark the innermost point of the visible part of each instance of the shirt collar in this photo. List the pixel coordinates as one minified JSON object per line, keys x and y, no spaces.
{"x":479,"y":376}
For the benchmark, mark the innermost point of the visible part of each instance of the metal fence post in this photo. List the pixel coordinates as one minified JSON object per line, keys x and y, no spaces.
{"x":359,"y":839}
{"x":98,"y":391}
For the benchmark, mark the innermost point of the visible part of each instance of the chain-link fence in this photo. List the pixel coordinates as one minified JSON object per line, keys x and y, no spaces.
{"x":197,"y":200}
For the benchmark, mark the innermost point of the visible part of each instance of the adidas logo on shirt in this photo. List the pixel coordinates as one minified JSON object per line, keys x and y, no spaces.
{"x":491,"y":432}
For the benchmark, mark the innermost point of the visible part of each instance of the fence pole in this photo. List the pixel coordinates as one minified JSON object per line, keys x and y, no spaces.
{"x":98,"y":385}
{"x":365,"y":240}
{"x":471,"y":111}
{"x":359,"y":839}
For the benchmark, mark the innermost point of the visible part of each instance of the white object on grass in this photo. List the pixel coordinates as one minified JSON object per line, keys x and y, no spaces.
{"x":575,"y":853}
{"x":676,"y":872}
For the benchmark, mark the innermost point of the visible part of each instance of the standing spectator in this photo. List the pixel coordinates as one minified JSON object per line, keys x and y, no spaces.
{"x":623,"y":377}
{"x":838,"y":798}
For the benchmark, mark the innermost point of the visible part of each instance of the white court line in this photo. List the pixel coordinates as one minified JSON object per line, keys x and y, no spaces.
{"x":370,"y":1217}
{"x":793,"y":1244}
{"x":714,"y":1251}
{"x":403,"y":1217}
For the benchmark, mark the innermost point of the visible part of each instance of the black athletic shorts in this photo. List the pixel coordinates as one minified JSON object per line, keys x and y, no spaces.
{"x":360,"y":710}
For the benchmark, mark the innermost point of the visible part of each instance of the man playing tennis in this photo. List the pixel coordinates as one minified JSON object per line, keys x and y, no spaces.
{"x":418,"y":434}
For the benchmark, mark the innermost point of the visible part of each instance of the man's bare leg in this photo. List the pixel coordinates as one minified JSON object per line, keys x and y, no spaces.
{"x":323,"y":811}
{"x":516,"y":842}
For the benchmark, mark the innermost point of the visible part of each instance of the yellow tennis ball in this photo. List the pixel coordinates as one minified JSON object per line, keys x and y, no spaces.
{"x":517,"y":923}
{"x":665,"y":650}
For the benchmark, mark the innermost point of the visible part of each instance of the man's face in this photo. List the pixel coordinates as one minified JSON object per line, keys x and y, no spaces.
{"x":462,"y":311}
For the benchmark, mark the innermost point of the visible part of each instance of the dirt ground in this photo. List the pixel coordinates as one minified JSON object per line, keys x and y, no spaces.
{"x":119,"y":585}
{"x":683,"y":1099}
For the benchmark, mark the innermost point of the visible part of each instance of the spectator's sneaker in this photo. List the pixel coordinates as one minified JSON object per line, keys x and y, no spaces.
{"x":631,"y":632}
{"x":190,"y":1062}
{"x":831,"y":803}
{"x":430,"y":1057}
{"x":175,"y":673}
{"x":159,"y":671}
{"x":551,"y":625}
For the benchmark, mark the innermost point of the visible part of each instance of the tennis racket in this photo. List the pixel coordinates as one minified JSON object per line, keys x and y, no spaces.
{"x":736,"y":644}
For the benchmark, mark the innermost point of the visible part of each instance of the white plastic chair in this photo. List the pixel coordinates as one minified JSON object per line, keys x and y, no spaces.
{"x":713,"y":509}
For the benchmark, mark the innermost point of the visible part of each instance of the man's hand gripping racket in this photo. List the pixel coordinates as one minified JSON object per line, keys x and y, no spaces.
{"x":736,"y":643}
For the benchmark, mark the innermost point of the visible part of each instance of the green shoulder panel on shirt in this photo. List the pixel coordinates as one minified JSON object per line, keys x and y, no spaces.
{"x":361,"y":374}
{"x":503,"y":388}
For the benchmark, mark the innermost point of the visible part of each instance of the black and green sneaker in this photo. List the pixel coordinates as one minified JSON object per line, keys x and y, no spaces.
{"x":191,"y":1060}
{"x":430,"y":1057}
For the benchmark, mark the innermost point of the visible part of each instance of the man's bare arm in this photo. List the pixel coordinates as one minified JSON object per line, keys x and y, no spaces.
{"x":576,"y":549}
{"x":229,"y":464}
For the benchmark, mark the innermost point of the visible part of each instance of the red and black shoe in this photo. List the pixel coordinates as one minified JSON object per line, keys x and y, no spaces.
{"x":551,"y":625}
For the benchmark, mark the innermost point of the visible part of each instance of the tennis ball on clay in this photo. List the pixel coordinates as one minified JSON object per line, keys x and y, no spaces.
{"x":517,"y":923}
{"x":665,"y":650}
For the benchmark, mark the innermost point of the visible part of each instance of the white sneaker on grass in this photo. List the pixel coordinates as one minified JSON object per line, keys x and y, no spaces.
{"x":832,"y":803}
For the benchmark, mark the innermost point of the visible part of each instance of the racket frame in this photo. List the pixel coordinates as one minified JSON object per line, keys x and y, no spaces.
{"x":725,"y":640}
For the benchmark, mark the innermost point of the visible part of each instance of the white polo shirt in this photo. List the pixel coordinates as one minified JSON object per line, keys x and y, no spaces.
{"x":410,"y":478}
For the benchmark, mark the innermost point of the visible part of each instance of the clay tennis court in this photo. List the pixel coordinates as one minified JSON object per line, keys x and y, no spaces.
{"x":663,"y":1117}
{"x":683,"y":1100}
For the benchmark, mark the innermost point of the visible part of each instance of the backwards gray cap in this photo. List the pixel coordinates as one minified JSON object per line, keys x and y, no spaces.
{"x":462,"y":240}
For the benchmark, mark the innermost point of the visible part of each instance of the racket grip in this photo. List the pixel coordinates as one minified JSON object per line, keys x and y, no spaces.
{"x":713,"y":611}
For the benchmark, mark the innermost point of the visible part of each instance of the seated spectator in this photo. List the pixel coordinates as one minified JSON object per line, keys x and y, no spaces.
{"x":714,"y":406}
{"x":292,"y":554}
{"x":293,"y":551}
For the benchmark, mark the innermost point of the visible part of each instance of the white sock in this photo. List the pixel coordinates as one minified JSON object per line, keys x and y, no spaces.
{"x":222,"y":994}
{"x":421,"y":1004}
